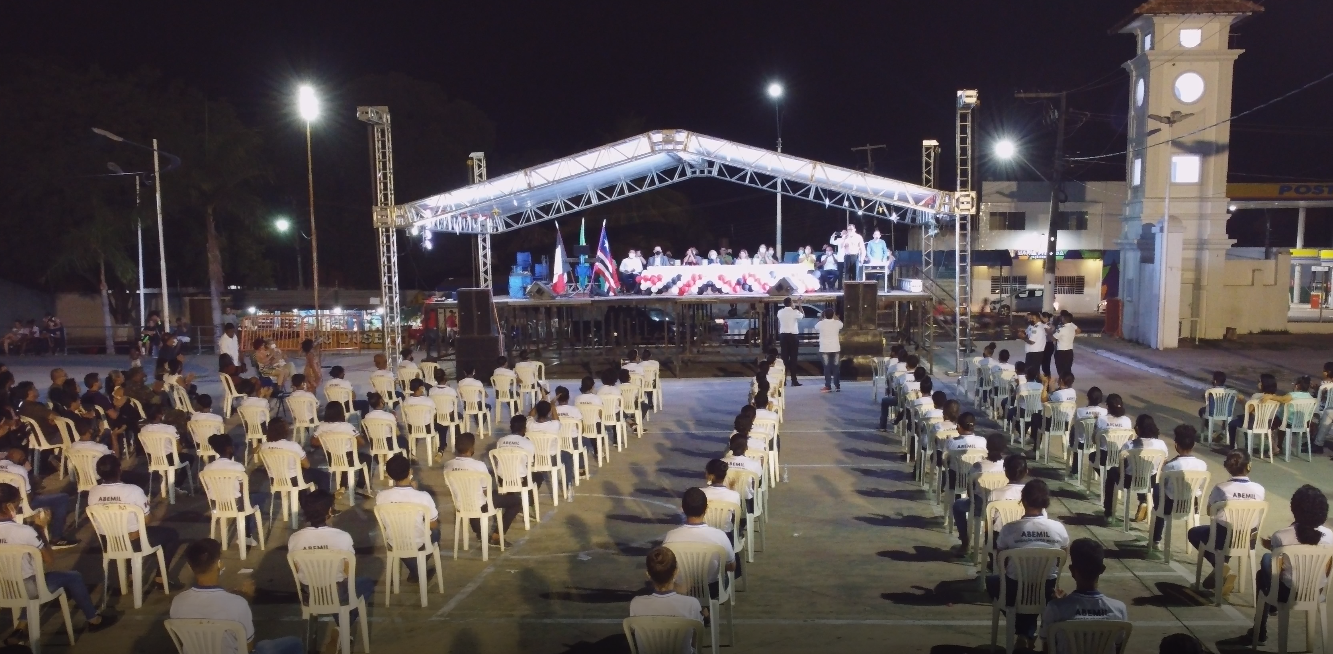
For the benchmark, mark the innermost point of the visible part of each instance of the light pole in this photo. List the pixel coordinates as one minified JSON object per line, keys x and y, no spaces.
{"x":1170,"y":121}
{"x":157,"y":189}
{"x":309,"y":108}
{"x":775,"y":92}
{"x":138,"y":229}
{"x":282,"y":225}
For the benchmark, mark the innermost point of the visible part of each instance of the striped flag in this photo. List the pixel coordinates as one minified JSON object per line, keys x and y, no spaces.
{"x":560,"y":270}
{"x":606,"y":264}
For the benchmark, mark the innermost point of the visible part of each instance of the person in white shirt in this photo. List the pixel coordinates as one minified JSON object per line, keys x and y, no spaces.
{"x":317,"y":506}
{"x":207,"y":600}
{"x":1238,"y":488}
{"x":853,"y":251}
{"x":278,"y":437}
{"x":1185,"y":439}
{"x":630,"y":267}
{"x":57,"y":504}
{"x":407,"y":368}
{"x":668,"y":598}
{"x":609,"y":390}
{"x":1077,"y":434}
{"x":518,"y":429}
{"x":1064,"y":332}
{"x":562,"y":405}
{"x":337,"y":379}
{"x":960,"y":444}
{"x":301,"y":388}
{"x":1146,"y":438}
{"x":155,"y":425}
{"x":1087,"y":562}
{"x":417,"y":389}
{"x":735,"y":458}
{"x":228,"y":343}
{"x":1032,"y":386}
{"x":1309,"y":512}
{"x":829,"y":350}
{"x":404,"y":491}
{"x":524,"y":364}
{"x":828,"y":269}
{"x":382,"y":374}
{"x":545,"y":422}
{"x":1034,"y":529}
{"x":221,"y":443}
{"x":789,"y":334}
{"x":13,"y":532}
{"x":694,"y":503}
{"x":1114,"y":418}
{"x":1034,"y":341}
{"x":1064,"y":391}
{"x":502,"y":369}
{"x":112,"y":491}
{"x":996,"y":444}
{"x":715,"y":473}
{"x":465,"y":446}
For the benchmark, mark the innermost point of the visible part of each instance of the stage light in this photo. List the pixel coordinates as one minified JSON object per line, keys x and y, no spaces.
{"x":307,"y":103}
{"x":775,"y":90}
{"x":1005,"y":149}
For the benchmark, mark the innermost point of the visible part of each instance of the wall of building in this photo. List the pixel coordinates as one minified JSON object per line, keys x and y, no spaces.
{"x":1101,"y":200}
{"x":1089,"y":269}
{"x":19,"y":302}
{"x":1256,"y":297}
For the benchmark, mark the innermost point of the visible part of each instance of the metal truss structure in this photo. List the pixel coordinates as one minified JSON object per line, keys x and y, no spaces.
{"x":653,"y":160}
{"x":477,"y":161}
{"x":381,"y":139}
{"x":965,"y":210}
{"x":930,"y":150}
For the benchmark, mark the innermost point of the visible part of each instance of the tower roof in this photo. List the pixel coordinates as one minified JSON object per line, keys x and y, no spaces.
{"x":1169,"y":7}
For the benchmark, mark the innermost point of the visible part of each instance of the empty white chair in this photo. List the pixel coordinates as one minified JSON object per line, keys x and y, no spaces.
{"x":228,"y":493}
{"x":15,"y":595}
{"x":420,"y":421}
{"x":406,"y":529}
{"x":695,"y":563}
{"x":112,"y":522}
{"x":506,"y":394}
{"x":660,"y":634}
{"x":229,"y":396}
{"x":1089,"y":636}
{"x":1296,"y":416}
{"x":254,"y":418}
{"x":1219,"y":405}
{"x":1243,"y":517}
{"x":340,"y":450}
{"x":571,"y":440}
{"x":513,"y":474}
{"x":198,"y":636}
{"x":547,"y":460}
{"x":320,"y":571}
{"x":474,"y":409}
{"x":305,"y":417}
{"x":1259,"y":415}
{"x":1309,"y":567}
{"x":1186,"y":488}
{"x":279,"y":464}
{"x":1030,"y":567}
{"x":383,"y":436}
{"x":471,"y":494}
{"x":164,"y":460}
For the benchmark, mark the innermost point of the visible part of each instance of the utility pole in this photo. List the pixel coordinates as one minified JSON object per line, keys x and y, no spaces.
{"x":870,"y":159}
{"x":1057,"y":191}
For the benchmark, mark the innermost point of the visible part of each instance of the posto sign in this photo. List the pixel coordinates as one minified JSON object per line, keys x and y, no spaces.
{"x":1292,"y":191}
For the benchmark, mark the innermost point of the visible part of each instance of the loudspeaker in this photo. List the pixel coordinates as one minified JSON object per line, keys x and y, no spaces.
{"x":477,"y":353}
{"x":540,"y":291}
{"x":860,"y":301}
{"x":781,"y":289}
{"x":476,"y":312}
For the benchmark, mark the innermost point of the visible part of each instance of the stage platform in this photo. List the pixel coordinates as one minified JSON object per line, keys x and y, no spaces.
{"x":823,"y":297}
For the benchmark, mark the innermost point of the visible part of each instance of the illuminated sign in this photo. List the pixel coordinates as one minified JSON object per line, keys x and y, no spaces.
{"x":1289,"y":191}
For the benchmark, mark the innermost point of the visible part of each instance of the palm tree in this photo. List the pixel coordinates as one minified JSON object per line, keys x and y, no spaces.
{"x":88,"y":250}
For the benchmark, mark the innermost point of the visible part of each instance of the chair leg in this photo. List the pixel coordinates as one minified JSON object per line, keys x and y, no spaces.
{"x":64,"y":612}
{"x":365,"y":626}
{"x":458,"y":523}
{"x":485,"y":536}
{"x":136,"y":568}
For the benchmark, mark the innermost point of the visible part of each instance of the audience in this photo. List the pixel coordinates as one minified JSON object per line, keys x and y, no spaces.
{"x":207,"y":600}
{"x":1087,"y":562}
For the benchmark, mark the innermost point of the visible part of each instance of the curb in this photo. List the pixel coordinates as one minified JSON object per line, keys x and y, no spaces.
{"x":1174,"y":375}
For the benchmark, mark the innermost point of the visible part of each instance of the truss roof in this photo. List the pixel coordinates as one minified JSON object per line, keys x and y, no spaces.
{"x":655,"y":159}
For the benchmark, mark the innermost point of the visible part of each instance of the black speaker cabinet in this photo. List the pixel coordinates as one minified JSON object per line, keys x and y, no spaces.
{"x":476,"y":312}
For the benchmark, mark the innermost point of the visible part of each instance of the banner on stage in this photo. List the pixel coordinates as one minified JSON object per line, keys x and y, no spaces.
{"x":741,"y":279}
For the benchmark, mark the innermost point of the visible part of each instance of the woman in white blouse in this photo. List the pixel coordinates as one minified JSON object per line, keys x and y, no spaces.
{"x":1147,"y":437}
{"x":1309,"y":509}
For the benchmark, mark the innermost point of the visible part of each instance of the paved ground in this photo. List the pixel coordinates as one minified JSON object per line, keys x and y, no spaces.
{"x":856,"y":558}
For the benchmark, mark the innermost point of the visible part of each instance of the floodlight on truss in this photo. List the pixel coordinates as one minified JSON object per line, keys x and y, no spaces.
{"x":652,"y":160}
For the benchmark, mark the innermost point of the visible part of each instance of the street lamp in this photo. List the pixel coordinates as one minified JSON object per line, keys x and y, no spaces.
{"x":1005,"y":149}
{"x":1170,"y":121}
{"x":282,"y":225}
{"x":308,"y":105}
{"x":161,"y":238}
{"x":775,"y":93}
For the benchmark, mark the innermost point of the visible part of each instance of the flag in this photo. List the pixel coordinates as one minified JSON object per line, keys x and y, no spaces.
{"x":560,"y":271}
{"x":583,"y":240}
{"x":606,"y":265}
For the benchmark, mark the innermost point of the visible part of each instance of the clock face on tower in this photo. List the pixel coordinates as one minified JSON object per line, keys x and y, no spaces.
{"x":1138,"y":93}
{"x":1189,"y":87}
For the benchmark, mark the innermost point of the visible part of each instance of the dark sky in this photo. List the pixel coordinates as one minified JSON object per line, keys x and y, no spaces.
{"x":555,"y":76}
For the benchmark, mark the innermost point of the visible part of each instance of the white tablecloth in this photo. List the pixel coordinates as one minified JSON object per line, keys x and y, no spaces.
{"x":737,"y":279}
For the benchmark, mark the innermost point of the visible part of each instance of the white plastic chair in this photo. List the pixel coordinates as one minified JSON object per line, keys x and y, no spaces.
{"x":1309,"y":566}
{"x":387,"y":388}
{"x":229,"y":396}
{"x":199,"y":636}
{"x":406,"y":375}
{"x":768,"y":429}
{"x":1061,"y":415}
{"x":305,"y":416}
{"x":981,"y":486}
{"x":471,"y":494}
{"x":279,"y":464}
{"x":631,"y":404}
{"x":447,"y":415}
{"x":1261,"y":429}
{"x":652,"y":375}
{"x":506,"y":394}
{"x":83,"y":468}
{"x":594,"y":428}
{"x":428,"y":369}
{"x":253,"y":418}
{"x":24,"y":509}
{"x":727,"y":517}
{"x":513,"y":474}
{"x":1083,"y":442}
{"x":319,"y":594}
{"x":37,"y":443}
{"x":383,"y":436}
{"x":420,"y":421}
{"x":1296,"y":416}
{"x":1029,"y":405}
{"x":746,"y":482}
{"x":1111,"y":440}
{"x":547,"y":460}
{"x":228,"y":493}
{"x":1032,"y":567}
{"x":1138,"y":467}
{"x":998,"y":513}
{"x":960,"y":462}
{"x":1186,"y":488}
{"x":340,"y":450}
{"x":614,"y":417}
{"x":403,"y":525}
{"x":1089,"y":636}
{"x":1223,"y":404}
{"x":529,"y":392}
{"x":200,"y":430}
{"x":571,"y":440}
{"x":340,"y":394}
{"x":161,"y":447}
{"x":180,"y":400}
{"x":660,"y":634}
{"x":14,"y":592}
{"x":693,"y":563}
{"x":112,"y":522}
{"x":474,"y":409}
{"x":1243,"y":517}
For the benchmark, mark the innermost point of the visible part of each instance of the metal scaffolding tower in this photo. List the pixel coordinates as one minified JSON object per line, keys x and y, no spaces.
{"x":965,"y":203}
{"x":381,"y":139}
{"x":477,"y":162}
{"x":930,"y":150}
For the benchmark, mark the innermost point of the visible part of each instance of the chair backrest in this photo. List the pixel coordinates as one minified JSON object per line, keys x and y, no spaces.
{"x":1219,"y":402}
{"x":629,"y":395}
{"x":767,"y":426}
{"x":1239,"y":514}
{"x":1062,"y":417}
{"x":1089,"y":636}
{"x":592,"y":414}
{"x":84,"y":464}
{"x":198,"y":636}
{"x":340,"y":450}
{"x":321,"y":570}
{"x":470,"y":490}
{"x":380,"y":433}
{"x":407,"y":373}
{"x":304,"y":408}
{"x":571,"y":430}
{"x":200,"y":430}
{"x":384,"y":385}
{"x":612,"y":405}
{"x":13,"y":589}
{"x":1297,"y":413}
{"x":1309,"y":568}
{"x":1029,"y":401}
{"x":158,"y":444}
{"x":403,"y":524}
{"x":527,"y":376}
{"x":548,"y":448}
{"x":1182,"y":484}
{"x":112,"y":522}
{"x":340,"y":394}
{"x":179,"y":398}
{"x":428,"y":369}
{"x":989,"y":481}
{"x":1264,"y":412}
{"x":1029,"y":567}
{"x":504,"y":386}
{"x":1141,"y":464}
{"x":446,"y":402}
{"x":254,"y":418}
{"x":474,"y":397}
{"x":743,"y":481}
{"x":1086,"y":428}
{"x":227,"y":490}
{"x":1002,"y":512}
{"x":695,"y":563}
{"x":661,"y":634}
{"x":961,"y":460}
{"x":723,"y":515}
{"x":279,"y":464}
{"x":228,"y":388}
{"x":1116,"y":438}
{"x":419,"y":415}
{"x":511,"y":465}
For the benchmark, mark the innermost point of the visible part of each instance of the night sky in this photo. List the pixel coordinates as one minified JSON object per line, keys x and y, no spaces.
{"x":559,"y":77}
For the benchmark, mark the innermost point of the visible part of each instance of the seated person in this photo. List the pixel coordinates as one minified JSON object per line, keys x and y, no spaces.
{"x":1185,"y":439}
{"x":1309,"y":512}
{"x":1034,"y":529}
{"x":113,"y":491}
{"x":1147,"y":437}
{"x":222,"y":444}
{"x":1238,"y":488}
{"x":405,"y":491}
{"x":206,"y":600}
{"x":996,"y":444}
{"x":508,"y":503}
{"x":1087,"y":562}
{"x":668,"y":597}
{"x":317,"y":507}
{"x":695,"y":503}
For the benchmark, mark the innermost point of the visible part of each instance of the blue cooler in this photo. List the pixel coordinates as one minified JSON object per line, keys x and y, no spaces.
{"x":516,"y":286}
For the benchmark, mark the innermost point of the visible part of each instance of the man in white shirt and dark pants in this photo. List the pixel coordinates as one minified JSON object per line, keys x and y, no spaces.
{"x":228,"y":343}
{"x":1064,"y":334}
{"x":207,"y":600}
{"x":853,"y":251}
{"x":789,"y":334}
{"x":1034,"y":341}
{"x":829,"y":349}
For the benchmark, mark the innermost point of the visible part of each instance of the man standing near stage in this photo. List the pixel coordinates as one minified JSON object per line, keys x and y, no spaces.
{"x":658,"y":259}
{"x":853,"y":251}
{"x":630,"y":267}
{"x":789,"y":318}
{"x":836,"y":241}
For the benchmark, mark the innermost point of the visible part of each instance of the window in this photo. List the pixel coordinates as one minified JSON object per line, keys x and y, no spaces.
{"x":1136,"y":173}
{"x":1069,"y":285}
{"x":1191,"y":38}
{"x":1147,"y":42}
{"x":1185,"y":168}
{"x":1139,"y":90}
{"x":1072,"y":220}
{"x":1008,"y":220}
{"x":1189,"y":88}
{"x":1006,"y":284}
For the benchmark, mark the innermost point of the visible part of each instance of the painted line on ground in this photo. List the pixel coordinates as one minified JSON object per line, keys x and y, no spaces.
{"x":1169,"y":624}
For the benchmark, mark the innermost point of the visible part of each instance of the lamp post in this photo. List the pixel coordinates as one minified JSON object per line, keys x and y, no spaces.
{"x":282,"y":225}
{"x":157,"y":189}
{"x":1170,"y":121}
{"x":138,"y":229}
{"x":775,"y":92}
{"x":308,"y":105}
